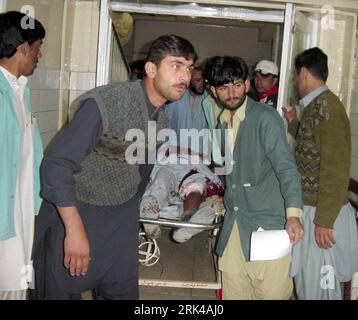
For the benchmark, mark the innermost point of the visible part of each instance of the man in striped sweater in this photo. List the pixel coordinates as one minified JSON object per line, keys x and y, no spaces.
{"x":328,"y":254}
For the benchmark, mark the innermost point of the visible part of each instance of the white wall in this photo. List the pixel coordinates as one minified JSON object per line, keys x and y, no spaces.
{"x":69,"y":62}
{"x":45,"y":84}
{"x":81,"y":56}
{"x":339,"y":55}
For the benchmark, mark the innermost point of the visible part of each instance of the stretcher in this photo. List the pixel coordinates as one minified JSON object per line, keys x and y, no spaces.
{"x":149,"y":253}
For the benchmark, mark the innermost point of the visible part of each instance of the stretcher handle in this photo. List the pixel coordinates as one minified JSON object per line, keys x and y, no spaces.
{"x":180,"y":224}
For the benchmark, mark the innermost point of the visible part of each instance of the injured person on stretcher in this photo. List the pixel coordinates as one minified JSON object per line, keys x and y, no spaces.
{"x":181,"y":187}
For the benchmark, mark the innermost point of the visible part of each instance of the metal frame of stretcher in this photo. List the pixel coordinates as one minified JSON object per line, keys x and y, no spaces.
{"x":188,"y":284}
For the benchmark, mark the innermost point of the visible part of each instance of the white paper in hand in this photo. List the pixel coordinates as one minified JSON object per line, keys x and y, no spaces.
{"x":269,"y":245}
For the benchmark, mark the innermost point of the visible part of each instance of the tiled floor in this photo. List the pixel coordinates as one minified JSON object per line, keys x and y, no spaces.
{"x":189,"y":261}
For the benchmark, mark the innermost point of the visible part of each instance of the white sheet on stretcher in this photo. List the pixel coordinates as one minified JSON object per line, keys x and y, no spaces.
{"x":170,"y":212}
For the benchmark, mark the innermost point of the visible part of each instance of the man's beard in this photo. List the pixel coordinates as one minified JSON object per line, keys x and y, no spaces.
{"x":195,"y":90}
{"x":235,"y":107}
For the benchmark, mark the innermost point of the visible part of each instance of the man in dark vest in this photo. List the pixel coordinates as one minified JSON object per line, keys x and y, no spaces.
{"x":87,"y":230}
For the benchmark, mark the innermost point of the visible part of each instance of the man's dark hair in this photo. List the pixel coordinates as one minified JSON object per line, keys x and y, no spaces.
{"x":170,"y":45}
{"x":222,"y":70}
{"x":316,"y":62}
{"x":17,"y":28}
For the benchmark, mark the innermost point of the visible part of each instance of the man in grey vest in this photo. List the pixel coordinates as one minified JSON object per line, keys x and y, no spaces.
{"x":87,"y":231}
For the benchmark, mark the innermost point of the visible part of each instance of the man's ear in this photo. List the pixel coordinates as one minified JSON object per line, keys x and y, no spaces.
{"x":247,"y":85}
{"x":213,"y":91}
{"x":304,"y":73}
{"x":23,"y":48}
{"x":150,"y":69}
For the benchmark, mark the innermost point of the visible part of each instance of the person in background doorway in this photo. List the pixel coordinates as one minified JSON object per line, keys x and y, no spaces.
{"x":21,"y":152}
{"x":136,"y":70}
{"x":328,"y":254}
{"x":187,"y":113}
{"x":266,"y":82}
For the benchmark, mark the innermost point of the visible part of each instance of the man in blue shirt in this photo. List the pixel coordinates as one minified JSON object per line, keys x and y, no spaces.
{"x":187,"y":113}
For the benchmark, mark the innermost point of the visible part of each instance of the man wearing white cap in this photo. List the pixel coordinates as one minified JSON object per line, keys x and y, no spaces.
{"x":266,"y":79}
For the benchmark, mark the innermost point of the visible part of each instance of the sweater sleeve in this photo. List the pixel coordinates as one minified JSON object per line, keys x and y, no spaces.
{"x":293,"y":127}
{"x":65,"y":155}
{"x":332,"y":136}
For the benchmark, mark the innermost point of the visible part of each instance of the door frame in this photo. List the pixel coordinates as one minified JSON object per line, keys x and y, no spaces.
{"x":191,"y":10}
{"x":285,"y":17}
{"x":232,"y":13}
{"x":286,"y":56}
{"x":3,"y":5}
{"x":104,"y":43}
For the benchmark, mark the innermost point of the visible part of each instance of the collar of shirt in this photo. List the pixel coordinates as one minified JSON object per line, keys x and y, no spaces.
{"x":17,"y":84}
{"x":196,"y":100}
{"x":307,"y":99}
{"x":153,"y":112}
{"x":239,"y":115}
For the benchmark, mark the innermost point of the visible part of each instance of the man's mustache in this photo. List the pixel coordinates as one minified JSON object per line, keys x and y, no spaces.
{"x":181,"y":85}
{"x":232,"y":99}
